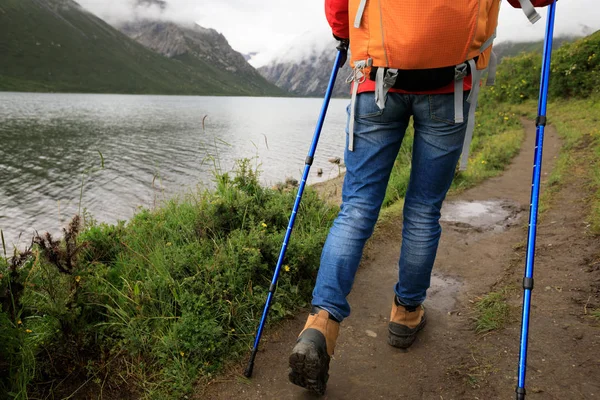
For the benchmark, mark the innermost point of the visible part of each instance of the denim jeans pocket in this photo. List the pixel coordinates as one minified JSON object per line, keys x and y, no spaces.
{"x":441,"y":108}
{"x":366,"y":107}
{"x":367,"y":111}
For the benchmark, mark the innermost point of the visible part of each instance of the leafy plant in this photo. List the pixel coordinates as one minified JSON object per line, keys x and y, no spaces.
{"x":173,"y":294}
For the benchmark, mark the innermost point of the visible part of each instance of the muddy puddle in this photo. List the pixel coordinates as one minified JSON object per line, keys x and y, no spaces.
{"x":495,"y":215}
{"x":442,"y":293}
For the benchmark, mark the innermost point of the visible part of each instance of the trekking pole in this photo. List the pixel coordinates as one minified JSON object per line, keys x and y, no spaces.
{"x":535,"y":193}
{"x":339,"y":62}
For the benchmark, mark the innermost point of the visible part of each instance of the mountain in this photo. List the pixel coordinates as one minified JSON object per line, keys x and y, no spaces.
{"x":305,"y":69}
{"x":511,"y":49}
{"x":200,"y":48}
{"x":56,"y":45}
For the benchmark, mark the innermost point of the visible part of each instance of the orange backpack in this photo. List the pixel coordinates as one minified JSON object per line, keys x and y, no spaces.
{"x":399,"y":42}
{"x":417,"y":34}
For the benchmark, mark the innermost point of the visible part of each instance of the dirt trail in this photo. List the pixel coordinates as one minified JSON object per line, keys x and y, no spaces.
{"x":479,"y":251}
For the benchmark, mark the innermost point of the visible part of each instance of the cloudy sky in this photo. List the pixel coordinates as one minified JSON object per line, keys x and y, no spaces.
{"x":270,"y":27}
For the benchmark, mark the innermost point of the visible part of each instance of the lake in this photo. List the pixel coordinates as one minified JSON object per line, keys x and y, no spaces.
{"x":52,"y":147}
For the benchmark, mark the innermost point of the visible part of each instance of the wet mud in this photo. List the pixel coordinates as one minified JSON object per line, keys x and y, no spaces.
{"x":495,"y":215}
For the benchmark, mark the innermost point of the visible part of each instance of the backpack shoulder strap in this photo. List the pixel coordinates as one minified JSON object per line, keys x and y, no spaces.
{"x":529,"y":11}
{"x":360,"y":13}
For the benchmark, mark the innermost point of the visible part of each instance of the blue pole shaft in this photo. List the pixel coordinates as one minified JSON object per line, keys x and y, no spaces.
{"x":535,"y":194}
{"x":340,"y":59}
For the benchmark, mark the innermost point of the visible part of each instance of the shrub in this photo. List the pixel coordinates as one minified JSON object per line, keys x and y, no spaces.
{"x":164,"y":299}
{"x":575,"y":72}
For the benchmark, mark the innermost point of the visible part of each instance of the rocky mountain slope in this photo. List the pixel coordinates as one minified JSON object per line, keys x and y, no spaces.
{"x":56,"y":45}
{"x":198,"y":47}
{"x":305,"y":70}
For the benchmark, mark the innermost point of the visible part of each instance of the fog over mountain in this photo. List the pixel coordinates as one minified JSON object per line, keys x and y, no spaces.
{"x":119,"y":11}
{"x":293,"y":45}
{"x":275,"y":24}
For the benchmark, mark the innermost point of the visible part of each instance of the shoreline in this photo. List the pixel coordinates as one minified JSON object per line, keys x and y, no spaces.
{"x":331,"y":189}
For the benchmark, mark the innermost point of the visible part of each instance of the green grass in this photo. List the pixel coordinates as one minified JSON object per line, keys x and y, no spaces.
{"x":577,"y":122}
{"x":492,"y":311}
{"x":47,"y":46}
{"x":596,"y":314}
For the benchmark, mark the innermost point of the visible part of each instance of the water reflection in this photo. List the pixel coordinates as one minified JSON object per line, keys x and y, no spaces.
{"x":153,"y":147}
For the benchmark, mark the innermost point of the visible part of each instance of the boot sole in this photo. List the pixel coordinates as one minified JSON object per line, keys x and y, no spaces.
{"x":309,"y":367}
{"x":401,"y":336}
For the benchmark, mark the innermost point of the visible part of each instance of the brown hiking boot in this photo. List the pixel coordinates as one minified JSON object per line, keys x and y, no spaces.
{"x":309,"y":361}
{"x":405,"y":323}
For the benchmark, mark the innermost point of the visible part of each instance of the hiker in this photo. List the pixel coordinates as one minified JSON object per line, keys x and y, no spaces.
{"x":434,"y":50}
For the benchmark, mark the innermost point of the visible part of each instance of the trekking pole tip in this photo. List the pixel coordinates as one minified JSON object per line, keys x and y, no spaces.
{"x":248,"y":371}
{"x":250,"y":366}
{"x":520,"y":393}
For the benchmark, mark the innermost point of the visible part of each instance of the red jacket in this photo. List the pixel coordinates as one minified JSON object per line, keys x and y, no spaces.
{"x":337,"y":16}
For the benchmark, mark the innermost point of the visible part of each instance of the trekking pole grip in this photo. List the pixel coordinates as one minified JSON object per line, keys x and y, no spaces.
{"x":342,"y":48}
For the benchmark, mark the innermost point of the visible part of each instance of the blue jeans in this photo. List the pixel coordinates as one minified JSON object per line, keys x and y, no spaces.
{"x":378,"y":135}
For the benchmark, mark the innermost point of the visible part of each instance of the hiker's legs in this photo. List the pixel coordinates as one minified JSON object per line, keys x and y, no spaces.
{"x":436,"y":150}
{"x":377,"y":138}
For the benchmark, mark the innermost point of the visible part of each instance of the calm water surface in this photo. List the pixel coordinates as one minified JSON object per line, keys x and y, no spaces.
{"x":154,"y":147}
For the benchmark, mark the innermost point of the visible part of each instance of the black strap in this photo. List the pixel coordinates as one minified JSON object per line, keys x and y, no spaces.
{"x":421,"y":80}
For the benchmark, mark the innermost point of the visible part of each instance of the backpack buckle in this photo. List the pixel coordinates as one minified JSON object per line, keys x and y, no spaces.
{"x":461,"y":71}
{"x":384,"y":81}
